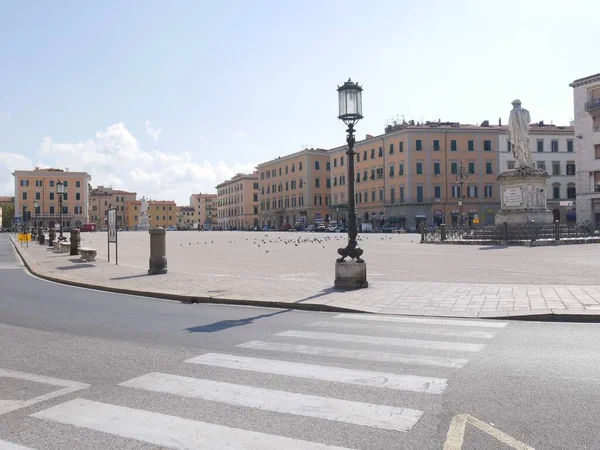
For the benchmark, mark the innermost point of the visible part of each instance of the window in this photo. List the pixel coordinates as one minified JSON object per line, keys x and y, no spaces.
{"x":78,"y":210}
{"x":471,"y":146}
{"x":419,"y":168}
{"x":401,"y":194}
{"x":318,"y":200}
{"x":357,"y":156}
{"x":357,"y":178}
{"x":373,"y":195}
{"x":392,"y":195}
{"x":66,"y":183}
{"x":287,"y":186}
{"x":286,"y":169}
{"x":401,"y":169}
{"x":510,"y":165}
{"x":280,"y":170}
{"x":436,"y":168}
{"x":365,"y":175}
{"x":300,"y":165}
{"x":436,"y":145}
{"x":293,"y":167}
{"x":391,"y":149}
{"x":65,"y":210}
{"x":380,"y":152}
{"x":487,"y":146}
{"x":391,"y":171}
{"x":358,"y":197}
{"x":487,"y":190}
{"x":419,"y":145}
{"x":51,"y":209}
{"x":51,"y":195}
{"x":255,"y":197}
{"x":328,"y":182}
{"x":24,"y":195}
{"x":554,"y":146}
{"x":380,"y":195}
{"x":508,"y":146}
{"x":365,"y":155}
{"x":78,"y":184}
{"x":372,"y":174}
{"x":366,"y":197}
{"x":570,"y":168}
{"x":471,"y":168}
{"x":341,"y":160}
{"x":472,"y":191}
{"x":455,"y":191}
{"x":571,"y":191}
{"x":541,"y":165}
{"x":556,"y":192}
{"x":540,"y":145}
{"x":555,"y":168}
{"x":38,"y":183}
{"x":570,"y":146}
{"x":380,"y":173}
{"x":38,"y":196}
{"x":301,"y":183}
{"x":454,"y":168}
{"x":437,"y":191}
{"x":401,"y":147}
{"x":334,"y":162}
{"x":77,"y":196}
{"x":372,"y":153}
{"x":419,"y":193}
{"x":453,"y":146}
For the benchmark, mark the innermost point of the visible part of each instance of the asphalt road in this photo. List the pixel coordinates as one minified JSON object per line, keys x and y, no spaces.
{"x":91,"y":370}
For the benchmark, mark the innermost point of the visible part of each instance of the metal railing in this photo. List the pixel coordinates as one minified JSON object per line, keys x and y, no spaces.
{"x":594,"y":104}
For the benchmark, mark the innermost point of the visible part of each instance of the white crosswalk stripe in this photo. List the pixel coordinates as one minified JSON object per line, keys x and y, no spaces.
{"x":378,"y":416}
{"x":377,"y":340}
{"x":423,"y":320}
{"x":413,"y":383}
{"x":5,"y":445}
{"x":369,"y":355}
{"x":168,"y":431}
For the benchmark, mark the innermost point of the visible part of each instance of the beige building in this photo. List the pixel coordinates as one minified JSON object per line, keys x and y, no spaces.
{"x":295,"y":189}
{"x":237,"y":202}
{"x":408,"y":175}
{"x":40,"y":185}
{"x":205,"y":206}
{"x":103,"y":198}
{"x":186,"y":217}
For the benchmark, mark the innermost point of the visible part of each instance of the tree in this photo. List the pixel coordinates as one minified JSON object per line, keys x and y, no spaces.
{"x":8,"y":213}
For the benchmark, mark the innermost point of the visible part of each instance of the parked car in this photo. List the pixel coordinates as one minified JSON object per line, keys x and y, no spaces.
{"x":388,"y":228}
{"x":311,"y":228}
{"x":321,"y":229}
{"x":88,"y":227}
{"x":331,"y":228}
{"x":172,"y":228}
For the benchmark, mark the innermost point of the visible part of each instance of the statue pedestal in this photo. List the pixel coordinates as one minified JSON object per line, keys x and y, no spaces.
{"x":523,"y":197}
{"x":351,"y":275}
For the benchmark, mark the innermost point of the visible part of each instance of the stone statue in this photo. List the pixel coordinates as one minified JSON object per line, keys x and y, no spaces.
{"x":143,"y":219}
{"x":518,"y":135}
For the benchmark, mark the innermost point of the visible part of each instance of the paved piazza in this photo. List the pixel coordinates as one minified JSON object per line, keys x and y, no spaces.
{"x":404,"y":275}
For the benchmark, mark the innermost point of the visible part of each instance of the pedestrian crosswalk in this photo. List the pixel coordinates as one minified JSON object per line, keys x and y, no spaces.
{"x":379,"y":373}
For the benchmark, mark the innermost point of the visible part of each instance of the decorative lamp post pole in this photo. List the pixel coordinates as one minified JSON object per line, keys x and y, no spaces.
{"x":462,"y":176}
{"x":60,"y":190}
{"x":350,"y":112}
{"x":36,"y":205}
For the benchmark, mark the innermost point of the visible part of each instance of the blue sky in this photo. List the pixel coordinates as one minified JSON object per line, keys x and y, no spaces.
{"x":170,"y":98}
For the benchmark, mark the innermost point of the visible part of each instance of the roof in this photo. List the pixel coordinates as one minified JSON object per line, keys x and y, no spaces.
{"x":185,"y":208}
{"x":306,"y":151}
{"x":585,"y":80}
{"x":239,"y":177}
{"x":6,"y":199}
{"x":170,"y":202}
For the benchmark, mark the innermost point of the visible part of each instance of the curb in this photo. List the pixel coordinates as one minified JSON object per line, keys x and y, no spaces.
{"x":187,"y":299}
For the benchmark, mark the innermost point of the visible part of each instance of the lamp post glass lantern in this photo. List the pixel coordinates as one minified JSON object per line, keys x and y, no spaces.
{"x":60,"y":190}
{"x":350,"y":112}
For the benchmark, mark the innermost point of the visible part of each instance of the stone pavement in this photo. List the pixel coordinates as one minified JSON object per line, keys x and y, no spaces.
{"x":405,"y":277}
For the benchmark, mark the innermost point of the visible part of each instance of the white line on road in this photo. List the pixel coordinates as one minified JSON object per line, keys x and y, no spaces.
{"x":369,"y":355}
{"x":168,"y":431}
{"x":416,"y":329}
{"x":367,"y":414}
{"x":5,"y":445}
{"x":429,"y":321}
{"x":413,"y":383}
{"x":376,"y":340}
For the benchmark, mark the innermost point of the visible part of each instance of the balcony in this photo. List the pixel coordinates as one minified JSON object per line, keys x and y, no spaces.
{"x":593,"y":105}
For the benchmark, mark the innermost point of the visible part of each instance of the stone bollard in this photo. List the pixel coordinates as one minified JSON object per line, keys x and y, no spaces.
{"x":158,"y":251}
{"x":556,"y":230}
{"x":51,"y":237}
{"x":74,"y":242}
{"x":505,"y":231}
{"x":422,"y":232}
{"x":41,"y":237}
{"x":443,"y":232}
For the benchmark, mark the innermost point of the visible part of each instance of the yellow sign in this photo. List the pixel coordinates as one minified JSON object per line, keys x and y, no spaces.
{"x":475,"y":221}
{"x":24,"y":237}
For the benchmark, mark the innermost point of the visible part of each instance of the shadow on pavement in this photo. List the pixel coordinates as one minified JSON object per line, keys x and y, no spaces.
{"x":225,"y":324}
{"x":494,"y":247}
{"x":131,"y":276}
{"x":323,"y":293}
{"x":78,"y":266}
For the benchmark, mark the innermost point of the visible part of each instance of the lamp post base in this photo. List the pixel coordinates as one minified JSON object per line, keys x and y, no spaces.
{"x":351,"y":275}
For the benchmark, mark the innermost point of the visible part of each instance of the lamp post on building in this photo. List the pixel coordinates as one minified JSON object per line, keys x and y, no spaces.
{"x":36,"y":205}
{"x":60,"y":190}
{"x":462,"y":176}
{"x":352,"y":274}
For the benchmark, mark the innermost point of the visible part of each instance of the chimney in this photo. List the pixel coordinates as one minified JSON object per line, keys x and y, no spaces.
{"x":500,"y":121}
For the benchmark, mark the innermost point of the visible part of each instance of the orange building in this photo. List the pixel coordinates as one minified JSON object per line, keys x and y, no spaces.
{"x":40,"y":185}
{"x":103,"y":198}
{"x":206,"y":209}
{"x":237,"y":202}
{"x":132,"y":209}
{"x":408,"y":175}
{"x":162,"y":213}
{"x":295,"y":189}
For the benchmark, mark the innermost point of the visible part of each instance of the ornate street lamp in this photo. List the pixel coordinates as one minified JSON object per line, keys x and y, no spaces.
{"x":462,"y":177}
{"x":350,"y":112}
{"x":60,"y":190}
{"x":36,"y":205}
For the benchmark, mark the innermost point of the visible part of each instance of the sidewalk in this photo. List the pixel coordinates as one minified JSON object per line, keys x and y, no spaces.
{"x":313,"y":290}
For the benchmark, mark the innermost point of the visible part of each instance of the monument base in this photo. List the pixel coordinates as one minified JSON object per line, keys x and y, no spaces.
{"x":523,"y":197}
{"x":351,"y":275}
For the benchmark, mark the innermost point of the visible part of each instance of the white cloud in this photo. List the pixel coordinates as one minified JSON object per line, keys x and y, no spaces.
{"x":5,"y":117}
{"x":9,"y":162}
{"x":154,"y":133}
{"x":114,"y":157}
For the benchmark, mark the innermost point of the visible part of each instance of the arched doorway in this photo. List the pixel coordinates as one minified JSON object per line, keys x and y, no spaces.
{"x":438,"y":217}
{"x":556,"y":215}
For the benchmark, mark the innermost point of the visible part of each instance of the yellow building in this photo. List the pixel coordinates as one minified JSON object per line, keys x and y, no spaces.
{"x":132,"y":209}
{"x":295,"y":189}
{"x":237,"y":202}
{"x":408,"y":175}
{"x":205,"y":206}
{"x":41,"y":185}
{"x":103,"y":198}
{"x":186,"y":218}
{"x":162,"y":213}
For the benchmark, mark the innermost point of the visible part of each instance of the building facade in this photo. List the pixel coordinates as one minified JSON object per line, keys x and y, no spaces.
{"x":295,"y":190}
{"x":408,"y":175}
{"x":102,"y":199}
{"x":40,"y":185}
{"x":205,"y":206}
{"x":6,"y":205}
{"x":186,"y":218}
{"x":132,"y":209}
{"x":586,"y":101}
{"x":162,"y":213}
{"x":553,"y":150}
{"x":237,"y":202}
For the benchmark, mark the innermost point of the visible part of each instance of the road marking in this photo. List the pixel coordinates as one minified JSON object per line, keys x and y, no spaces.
{"x":376,"y":340}
{"x":423,"y":320}
{"x":5,"y":445}
{"x":168,"y":431}
{"x":421,"y":360}
{"x":456,"y":433}
{"x":358,"y":413}
{"x":7,"y":406}
{"x":413,"y":383}
{"x":406,"y":330}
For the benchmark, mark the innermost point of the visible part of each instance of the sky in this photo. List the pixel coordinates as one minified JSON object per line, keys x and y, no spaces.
{"x":171,"y":98}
